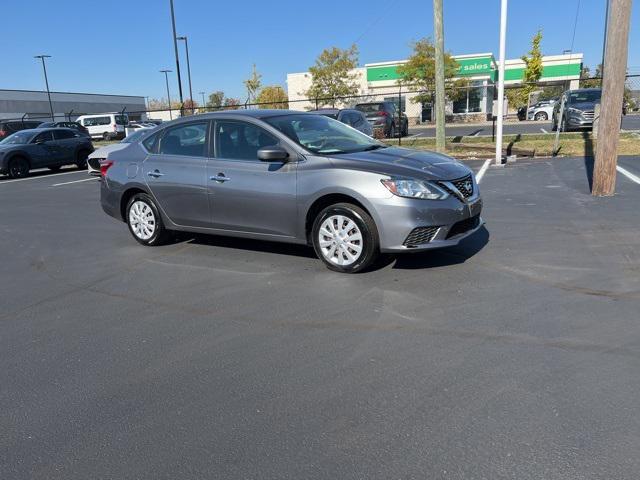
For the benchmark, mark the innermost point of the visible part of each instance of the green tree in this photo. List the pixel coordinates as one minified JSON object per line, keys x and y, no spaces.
{"x":532,"y":72}
{"x":331,"y":75}
{"x":591,"y":81}
{"x":420,"y":70}
{"x":253,"y":84}
{"x":216,"y":99}
{"x":273,"y":96}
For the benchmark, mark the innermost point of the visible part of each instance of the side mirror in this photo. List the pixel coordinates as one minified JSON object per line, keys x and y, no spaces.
{"x":40,"y":141}
{"x":274,"y":153}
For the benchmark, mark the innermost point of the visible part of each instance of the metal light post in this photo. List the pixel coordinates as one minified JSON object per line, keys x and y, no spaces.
{"x":204,"y":104}
{"x":186,"y":46}
{"x":166,"y":77}
{"x":500,"y":113}
{"x":175,"y":47}
{"x":46,"y":81}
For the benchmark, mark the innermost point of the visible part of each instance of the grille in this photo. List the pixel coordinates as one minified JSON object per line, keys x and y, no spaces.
{"x":464,"y":226}
{"x":420,"y":236}
{"x":464,"y":186}
{"x":588,"y":115}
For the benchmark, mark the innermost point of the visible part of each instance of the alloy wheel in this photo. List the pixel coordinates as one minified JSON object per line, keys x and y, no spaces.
{"x":340,"y":240}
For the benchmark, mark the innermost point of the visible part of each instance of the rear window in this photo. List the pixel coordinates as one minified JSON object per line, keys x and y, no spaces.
{"x":63,"y":134}
{"x":370,"y":107}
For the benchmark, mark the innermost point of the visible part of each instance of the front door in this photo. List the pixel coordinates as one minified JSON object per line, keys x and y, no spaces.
{"x":177,"y":174}
{"x":246,"y":194}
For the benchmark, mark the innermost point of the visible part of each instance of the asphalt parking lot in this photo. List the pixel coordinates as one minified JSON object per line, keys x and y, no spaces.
{"x":630,"y":122}
{"x":513,"y":355}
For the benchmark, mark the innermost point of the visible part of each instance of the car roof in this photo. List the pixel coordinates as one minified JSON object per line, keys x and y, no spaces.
{"x":266,"y":113}
{"x":46,"y":129}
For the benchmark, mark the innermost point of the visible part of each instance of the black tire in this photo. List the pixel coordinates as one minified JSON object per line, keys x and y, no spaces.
{"x":370,"y":243}
{"x":106,"y":137}
{"x":160,"y":234}
{"x":392,"y":131}
{"x":541,"y":116}
{"x":81,"y":159}
{"x":405,"y":130}
{"x":18,"y":167}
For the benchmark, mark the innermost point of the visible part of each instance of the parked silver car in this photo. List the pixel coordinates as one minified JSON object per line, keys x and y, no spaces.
{"x":290,"y":177}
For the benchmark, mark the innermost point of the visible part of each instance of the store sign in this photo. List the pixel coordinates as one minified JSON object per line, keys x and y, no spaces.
{"x":468,"y":67}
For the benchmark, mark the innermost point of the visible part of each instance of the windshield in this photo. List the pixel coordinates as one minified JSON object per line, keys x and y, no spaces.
{"x":590,"y":96}
{"x":18,"y":138}
{"x":323,"y":135}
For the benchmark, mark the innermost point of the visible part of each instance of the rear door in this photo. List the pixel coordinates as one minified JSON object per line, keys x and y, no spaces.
{"x":246,"y":194}
{"x":44,"y":151}
{"x":177,"y":173}
{"x":66,"y":141}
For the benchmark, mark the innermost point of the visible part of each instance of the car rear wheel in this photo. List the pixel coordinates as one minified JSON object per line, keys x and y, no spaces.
{"x":345,"y":238}
{"x":541,"y":116}
{"x":106,"y":137}
{"x":18,"y":167}
{"x":405,"y":130}
{"x":144,"y":221}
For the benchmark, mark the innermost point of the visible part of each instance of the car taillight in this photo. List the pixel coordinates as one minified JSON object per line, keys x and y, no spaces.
{"x":104,"y":166}
{"x":2,"y":133}
{"x":115,"y":128}
{"x":382,"y":114}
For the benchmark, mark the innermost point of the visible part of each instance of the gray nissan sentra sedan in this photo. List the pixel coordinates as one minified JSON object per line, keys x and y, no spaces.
{"x":291,"y":177}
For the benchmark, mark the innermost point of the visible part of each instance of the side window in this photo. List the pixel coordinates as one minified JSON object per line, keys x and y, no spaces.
{"x":89,"y":122}
{"x":240,"y":140}
{"x":188,"y":140}
{"x":44,"y":137}
{"x":151,"y":143}
{"x":63,"y":134}
{"x":347,"y":118}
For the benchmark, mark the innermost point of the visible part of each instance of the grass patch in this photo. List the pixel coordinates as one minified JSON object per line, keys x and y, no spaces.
{"x":539,"y":145}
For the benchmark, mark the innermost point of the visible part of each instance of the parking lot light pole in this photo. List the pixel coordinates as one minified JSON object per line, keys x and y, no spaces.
{"x":166,"y":78}
{"x":500,"y":112}
{"x":186,"y":46}
{"x":46,"y":81}
{"x":204,"y":104}
{"x":175,"y":47}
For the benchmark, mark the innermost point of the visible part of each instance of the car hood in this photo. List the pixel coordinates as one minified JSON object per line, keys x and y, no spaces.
{"x":4,"y":148}
{"x":583,"y":106}
{"x":403,"y":162}
{"x":102,"y":152}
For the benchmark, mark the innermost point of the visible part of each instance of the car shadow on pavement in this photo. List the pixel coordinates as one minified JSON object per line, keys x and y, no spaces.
{"x":466,"y":249}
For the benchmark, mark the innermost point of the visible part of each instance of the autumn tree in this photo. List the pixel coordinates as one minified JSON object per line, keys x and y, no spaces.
{"x":532,"y":72}
{"x":253,"y":84}
{"x":332,"y":77}
{"x":273,"y":96}
{"x":419,"y":71}
{"x":189,"y":106}
{"x":231,"y":103}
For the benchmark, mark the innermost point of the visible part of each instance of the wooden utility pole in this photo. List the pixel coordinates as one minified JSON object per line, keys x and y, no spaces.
{"x":615,"y":67}
{"x":438,"y":32}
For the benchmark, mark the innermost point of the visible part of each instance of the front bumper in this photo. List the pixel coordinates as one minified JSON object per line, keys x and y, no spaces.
{"x":451,"y":221}
{"x":575,"y":122}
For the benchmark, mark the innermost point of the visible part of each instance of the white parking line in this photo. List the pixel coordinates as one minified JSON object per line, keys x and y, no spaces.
{"x":75,"y":181}
{"x":543,"y":130}
{"x":628,"y":174}
{"x":2,"y":182}
{"x":476,"y":133}
{"x":415,"y":136}
{"x":483,"y":170}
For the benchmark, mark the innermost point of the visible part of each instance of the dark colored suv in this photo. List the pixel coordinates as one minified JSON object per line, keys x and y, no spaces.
{"x":7,"y":127}
{"x":72,"y":125}
{"x":385,"y":117}
{"x":43,"y":148}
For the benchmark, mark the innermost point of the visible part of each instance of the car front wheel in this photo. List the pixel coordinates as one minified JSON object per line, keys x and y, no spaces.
{"x":541,"y":116}
{"x":144,"y":221}
{"x":18,"y":167}
{"x":345,"y":238}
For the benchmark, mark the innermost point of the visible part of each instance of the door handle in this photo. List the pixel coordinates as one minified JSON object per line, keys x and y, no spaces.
{"x":155,"y":174}
{"x":219,"y":178}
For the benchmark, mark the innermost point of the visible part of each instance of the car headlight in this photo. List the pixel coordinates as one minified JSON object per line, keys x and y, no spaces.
{"x":409,"y":188}
{"x":574,"y":111}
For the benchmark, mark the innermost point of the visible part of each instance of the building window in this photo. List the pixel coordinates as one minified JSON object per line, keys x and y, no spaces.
{"x":471,"y":100}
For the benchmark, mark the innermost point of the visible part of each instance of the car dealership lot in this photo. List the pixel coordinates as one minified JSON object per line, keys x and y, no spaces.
{"x":513,"y":355}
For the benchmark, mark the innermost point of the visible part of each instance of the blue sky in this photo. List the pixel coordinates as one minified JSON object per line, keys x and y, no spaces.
{"x":118,"y":46}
